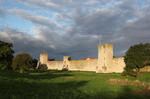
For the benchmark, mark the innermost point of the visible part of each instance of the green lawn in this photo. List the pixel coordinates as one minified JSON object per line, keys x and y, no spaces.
{"x":67,"y":85}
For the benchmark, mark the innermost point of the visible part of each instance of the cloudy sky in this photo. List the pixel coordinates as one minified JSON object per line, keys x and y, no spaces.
{"x":74,"y":27}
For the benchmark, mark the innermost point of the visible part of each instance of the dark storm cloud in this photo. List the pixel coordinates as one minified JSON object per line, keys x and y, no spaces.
{"x":113,"y":26}
{"x":25,"y":43}
{"x":46,"y":41}
{"x":101,"y":22}
{"x":138,"y":30}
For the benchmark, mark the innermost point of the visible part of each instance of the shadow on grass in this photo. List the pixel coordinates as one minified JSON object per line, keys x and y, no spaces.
{"x":20,"y":89}
{"x":67,"y":90}
{"x":34,"y":76}
{"x":127,"y":93}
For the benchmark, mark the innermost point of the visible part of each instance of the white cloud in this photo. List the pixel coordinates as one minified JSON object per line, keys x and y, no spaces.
{"x":44,"y":4}
{"x":33,"y":18}
{"x":4,"y":35}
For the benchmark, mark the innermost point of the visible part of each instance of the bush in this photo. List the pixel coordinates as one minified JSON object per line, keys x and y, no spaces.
{"x":42,"y":67}
{"x":34,"y":63}
{"x":137,"y":57}
{"x":6,"y":55}
{"x":22,"y":61}
{"x":131,"y":73}
{"x":65,"y":69}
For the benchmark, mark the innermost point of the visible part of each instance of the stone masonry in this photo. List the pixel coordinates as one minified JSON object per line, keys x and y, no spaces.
{"x":104,"y":64}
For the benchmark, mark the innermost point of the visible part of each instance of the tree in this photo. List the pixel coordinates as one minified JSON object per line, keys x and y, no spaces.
{"x":137,"y":57}
{"x":6,"y":55}
{"x":34,"y":63}
{"x":22,"y":61}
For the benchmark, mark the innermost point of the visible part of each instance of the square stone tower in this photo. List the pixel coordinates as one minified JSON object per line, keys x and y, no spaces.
{"x":43,"y":58}
{"x":105,"y":58}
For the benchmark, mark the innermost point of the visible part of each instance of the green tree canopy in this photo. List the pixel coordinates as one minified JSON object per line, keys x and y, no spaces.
{"x":137,"y":57}
{"x":34,"y":63}
{"x":6,"y":55}
{"x":22,"y":61}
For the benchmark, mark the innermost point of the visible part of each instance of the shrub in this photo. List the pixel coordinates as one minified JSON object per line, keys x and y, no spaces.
{"x":42,"y":67}
{"x":34,"y":63}
{"x":65,"y":69}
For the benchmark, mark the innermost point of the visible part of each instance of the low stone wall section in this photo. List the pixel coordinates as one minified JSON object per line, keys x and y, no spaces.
{"x":145,"y":69}
{"x":117,"y":65}
{"x":83,"y":65}
{"x":56,"y":65}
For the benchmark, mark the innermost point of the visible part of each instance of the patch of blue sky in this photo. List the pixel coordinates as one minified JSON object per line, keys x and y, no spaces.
{"x":18,"y":23}
{"x":66,"y":24}
{"x":19,"y":6}
{"x":132,"y":18}
{"x":6,"y":4}
{"x":46,"y":14}
{"x":141,"y":3}
{"x":13,"y":5}
{"x":109,"y":5}
{"x":68,"y":10}
{"x":2,"y":24}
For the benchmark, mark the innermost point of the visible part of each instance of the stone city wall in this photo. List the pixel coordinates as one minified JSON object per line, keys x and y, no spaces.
{"x":83,"y":65}
{"x":74,"y":65}
{"x":118,"y":64}
{"x":55,"y":65}
{"x":104,"y":64}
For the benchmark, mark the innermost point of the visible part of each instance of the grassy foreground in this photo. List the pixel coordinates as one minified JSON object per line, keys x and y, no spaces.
{"x":67,"y":85}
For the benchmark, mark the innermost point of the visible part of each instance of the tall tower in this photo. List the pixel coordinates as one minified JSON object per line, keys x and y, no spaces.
{"x":43,"y":58}
{"x":105,"y":57}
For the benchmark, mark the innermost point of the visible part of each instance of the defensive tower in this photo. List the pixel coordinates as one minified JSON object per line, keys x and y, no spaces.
{"x":43,"y":58}
{"x":105,"y":57}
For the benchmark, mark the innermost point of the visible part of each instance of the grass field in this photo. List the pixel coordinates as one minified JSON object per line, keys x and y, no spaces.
{"x":67,"y":85}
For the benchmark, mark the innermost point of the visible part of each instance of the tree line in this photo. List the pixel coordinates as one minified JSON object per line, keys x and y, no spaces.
{"x":136,"y":57}
{"x":20,"y":62}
